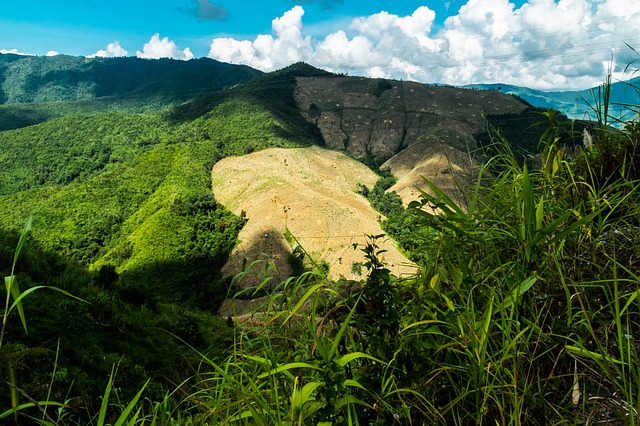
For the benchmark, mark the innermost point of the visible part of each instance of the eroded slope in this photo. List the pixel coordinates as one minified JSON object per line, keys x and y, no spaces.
{"x":312,"y":193}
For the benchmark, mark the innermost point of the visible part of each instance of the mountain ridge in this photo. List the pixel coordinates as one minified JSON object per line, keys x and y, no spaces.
{"x":575,"y":104}
{"x":34,"y":89}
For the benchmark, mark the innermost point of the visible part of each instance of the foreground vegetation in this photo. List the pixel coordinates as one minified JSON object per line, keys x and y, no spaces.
{"x":526,"y":311}
{"x":123,"y":218}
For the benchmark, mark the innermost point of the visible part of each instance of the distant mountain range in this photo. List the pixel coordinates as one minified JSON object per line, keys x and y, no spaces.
{"x":139,"y":84}
{"x":575,"y":104}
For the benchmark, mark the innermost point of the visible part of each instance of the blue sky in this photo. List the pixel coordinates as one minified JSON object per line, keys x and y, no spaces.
{"x":82,"y":27}
{"x":543,"y":44}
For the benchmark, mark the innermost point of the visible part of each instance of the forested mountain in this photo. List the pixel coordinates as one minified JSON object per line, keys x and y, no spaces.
{"x":113,"y":157}
{"x":39,"y":88}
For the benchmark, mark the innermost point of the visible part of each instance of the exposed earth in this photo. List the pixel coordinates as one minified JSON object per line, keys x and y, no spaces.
{"x":312,"y":193}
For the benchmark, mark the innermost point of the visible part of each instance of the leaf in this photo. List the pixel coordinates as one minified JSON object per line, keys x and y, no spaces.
{"x":23,"y":238}
{"x":287,"y":367}
{"x":355,"y":355}
{"x":448,"y":302}
{"x":633,"y":296}
{"x":104,"y":407}
{"x":426,"y":322}
{"x":32,"y":289}
{"x":130,"y":406}
{"x":484,"y":332}
{"x":585,"y":353}
{"x":450,"y":205}
{"x":434,"y":280}
{"x":11,"y":411}
{"x":539,"y":214}
{"x":298,"y":399}
{"x":456,"y":275}
{"x":522,"y":288}
{"x":350,"y":399}
{"x":355,"y":384}
{"x":304,"y":298}
{"x":11,"y":283}
{"x":343,"y":328}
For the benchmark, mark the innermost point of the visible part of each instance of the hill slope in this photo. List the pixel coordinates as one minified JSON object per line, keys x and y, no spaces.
{"x":309,"y":192}
{"x":576,"y":104}
{"x":34,"y":89}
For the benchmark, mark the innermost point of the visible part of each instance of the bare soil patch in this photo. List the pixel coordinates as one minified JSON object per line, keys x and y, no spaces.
{"x":312,"y":193}
{"x":448,"y":168}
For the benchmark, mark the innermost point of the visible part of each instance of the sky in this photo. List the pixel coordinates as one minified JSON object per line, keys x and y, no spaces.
{"x":541,"y":44}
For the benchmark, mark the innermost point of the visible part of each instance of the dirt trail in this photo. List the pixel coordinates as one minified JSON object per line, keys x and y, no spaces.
{"x":312,"y":193}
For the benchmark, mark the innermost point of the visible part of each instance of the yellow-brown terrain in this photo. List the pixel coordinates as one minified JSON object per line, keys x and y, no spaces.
{"x":312,"y":192}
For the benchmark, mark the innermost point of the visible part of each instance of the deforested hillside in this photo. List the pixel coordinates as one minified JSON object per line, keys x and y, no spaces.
{"x":304,"y":198}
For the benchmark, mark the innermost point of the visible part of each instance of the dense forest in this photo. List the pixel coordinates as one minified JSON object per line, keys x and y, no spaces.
{"x":526,"y":309}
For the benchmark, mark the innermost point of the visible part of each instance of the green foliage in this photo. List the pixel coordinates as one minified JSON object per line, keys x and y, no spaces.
{"x":114,"y":83}
{"x":124,"y":200}
{"x":526,"y":310}
{"x":399,"y":223}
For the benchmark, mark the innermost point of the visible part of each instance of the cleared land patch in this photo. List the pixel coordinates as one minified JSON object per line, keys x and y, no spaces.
{"x":312,"y":193}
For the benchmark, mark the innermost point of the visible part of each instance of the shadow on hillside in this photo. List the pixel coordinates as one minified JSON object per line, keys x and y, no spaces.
{"x":195,"y":282}
{"x":263,"y":258}
{"x":17,"y":116}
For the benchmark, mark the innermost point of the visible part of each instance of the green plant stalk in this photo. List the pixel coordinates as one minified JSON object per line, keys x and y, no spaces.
{"x":11,"y":284}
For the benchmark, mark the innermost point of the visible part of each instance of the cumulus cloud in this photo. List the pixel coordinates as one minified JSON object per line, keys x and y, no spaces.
{"x":52,"y":53}
{"x":207,"y":11}
{"x":544,"y":44}
{"x":15,"y":52}
{"x":267,"y":52}
{"x":113,"y":50}
{"x":163,"y":48}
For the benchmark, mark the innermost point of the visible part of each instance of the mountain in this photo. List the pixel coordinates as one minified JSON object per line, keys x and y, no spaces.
{"x":34,"y":88}
{"x":415,"y":130}
{"x":576,"y":104}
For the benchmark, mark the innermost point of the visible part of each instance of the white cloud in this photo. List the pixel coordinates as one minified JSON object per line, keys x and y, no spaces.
{"x":15,"y":52}
{"x":267,"y":52}
{"x":544,"y":44}
{"x":163,"y":48}
{"x":52,"y":53}
{"x":113,"y":50}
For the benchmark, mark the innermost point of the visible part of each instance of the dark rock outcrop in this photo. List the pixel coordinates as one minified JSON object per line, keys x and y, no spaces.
{"x":374,"y":119}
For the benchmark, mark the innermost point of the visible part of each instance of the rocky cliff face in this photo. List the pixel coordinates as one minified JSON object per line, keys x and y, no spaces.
{"x":375,"y":119}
